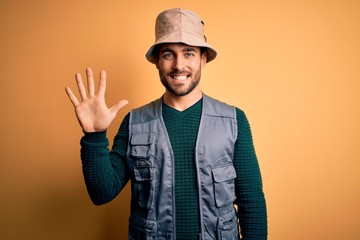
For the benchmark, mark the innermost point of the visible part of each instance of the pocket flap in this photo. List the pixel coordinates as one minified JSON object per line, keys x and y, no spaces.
{"x":141,"y":144}
{"x":223,"y":173}
{"x":144,"y":173}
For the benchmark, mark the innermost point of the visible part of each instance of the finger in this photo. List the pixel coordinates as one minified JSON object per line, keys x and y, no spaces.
{"x":80,"y":85}
{"x":71,"y":96}
{"x":102,"y":83}
{"x":119,"y":105}
{"x":90,"y":82}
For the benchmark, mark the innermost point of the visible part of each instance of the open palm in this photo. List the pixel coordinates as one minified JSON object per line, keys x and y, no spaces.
{"x":92,"y":111}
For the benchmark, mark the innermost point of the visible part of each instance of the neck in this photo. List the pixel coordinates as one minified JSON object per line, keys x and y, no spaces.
{"x":181,"y":103}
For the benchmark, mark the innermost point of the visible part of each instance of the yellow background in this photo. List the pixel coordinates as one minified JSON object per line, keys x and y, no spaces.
{"x":292,"y":66}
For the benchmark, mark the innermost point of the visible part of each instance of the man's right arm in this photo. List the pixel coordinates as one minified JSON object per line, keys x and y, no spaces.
{"x":105,"y":172}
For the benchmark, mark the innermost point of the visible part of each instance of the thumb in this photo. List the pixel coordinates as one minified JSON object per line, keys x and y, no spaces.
{"x":119,"y":105}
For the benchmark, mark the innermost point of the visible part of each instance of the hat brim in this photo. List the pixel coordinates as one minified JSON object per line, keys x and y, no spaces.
{"x":181,"y":37}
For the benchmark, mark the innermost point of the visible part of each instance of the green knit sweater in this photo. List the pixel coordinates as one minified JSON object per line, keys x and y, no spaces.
{"x":106,"y":172}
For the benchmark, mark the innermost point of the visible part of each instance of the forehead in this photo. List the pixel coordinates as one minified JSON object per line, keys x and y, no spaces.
{"x":177,"y":47}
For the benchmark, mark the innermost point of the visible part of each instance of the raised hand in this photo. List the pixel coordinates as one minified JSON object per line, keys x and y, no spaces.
{"x":92,"y":111}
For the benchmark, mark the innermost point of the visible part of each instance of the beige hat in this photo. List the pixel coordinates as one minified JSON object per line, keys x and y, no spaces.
{"x":179,"y":25}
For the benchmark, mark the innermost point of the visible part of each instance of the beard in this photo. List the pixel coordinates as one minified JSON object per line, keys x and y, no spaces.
{"x":177,"y":89}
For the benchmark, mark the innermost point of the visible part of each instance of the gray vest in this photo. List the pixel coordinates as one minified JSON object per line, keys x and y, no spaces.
{"x":151,"y":160}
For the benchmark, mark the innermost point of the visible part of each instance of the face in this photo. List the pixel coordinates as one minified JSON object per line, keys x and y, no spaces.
{"x":180,"y":67}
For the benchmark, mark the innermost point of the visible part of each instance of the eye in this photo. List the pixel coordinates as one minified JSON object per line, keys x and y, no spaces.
{"x":168,"y":56}
{"x":189,"y":54}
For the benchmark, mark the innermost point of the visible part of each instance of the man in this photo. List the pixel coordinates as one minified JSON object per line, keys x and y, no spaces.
{"x":189,"y":157}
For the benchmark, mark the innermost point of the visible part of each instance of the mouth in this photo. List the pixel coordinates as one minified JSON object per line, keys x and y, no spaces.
{"x":179,"y":77}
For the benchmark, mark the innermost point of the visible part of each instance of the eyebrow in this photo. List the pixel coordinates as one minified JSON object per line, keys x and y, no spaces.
{"x":187,"y":49}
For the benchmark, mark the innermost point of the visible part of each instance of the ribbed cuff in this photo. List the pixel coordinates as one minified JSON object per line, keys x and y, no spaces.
{"x":95,"y":137}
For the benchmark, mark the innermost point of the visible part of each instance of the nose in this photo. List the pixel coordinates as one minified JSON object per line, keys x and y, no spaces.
{"x":179,"y":64}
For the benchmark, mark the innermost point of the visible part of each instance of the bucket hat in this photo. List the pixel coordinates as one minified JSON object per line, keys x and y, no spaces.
{"x":179,"y":25}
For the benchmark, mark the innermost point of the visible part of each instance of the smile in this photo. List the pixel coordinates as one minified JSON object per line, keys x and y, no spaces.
{"x":180,"y":77}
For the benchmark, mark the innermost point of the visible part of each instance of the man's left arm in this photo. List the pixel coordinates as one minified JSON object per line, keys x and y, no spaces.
{"x":250,"y":198}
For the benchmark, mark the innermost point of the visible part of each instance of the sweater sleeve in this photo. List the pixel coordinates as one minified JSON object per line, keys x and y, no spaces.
{"x":105,"y":172}
{"x":250,"y":198}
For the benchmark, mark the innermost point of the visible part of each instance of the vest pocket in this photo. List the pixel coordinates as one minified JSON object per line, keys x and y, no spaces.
{"x":224,"y":184}
{"x":228,"y":228}
{"x":140,"y":145}
{"x":142,"y":186}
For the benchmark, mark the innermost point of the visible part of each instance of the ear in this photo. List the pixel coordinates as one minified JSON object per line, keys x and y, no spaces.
{"x":203,"y":59}
{"x":156,"y":61}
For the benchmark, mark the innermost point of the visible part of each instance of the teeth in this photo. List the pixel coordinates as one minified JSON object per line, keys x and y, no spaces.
{"x":181,"y":78}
